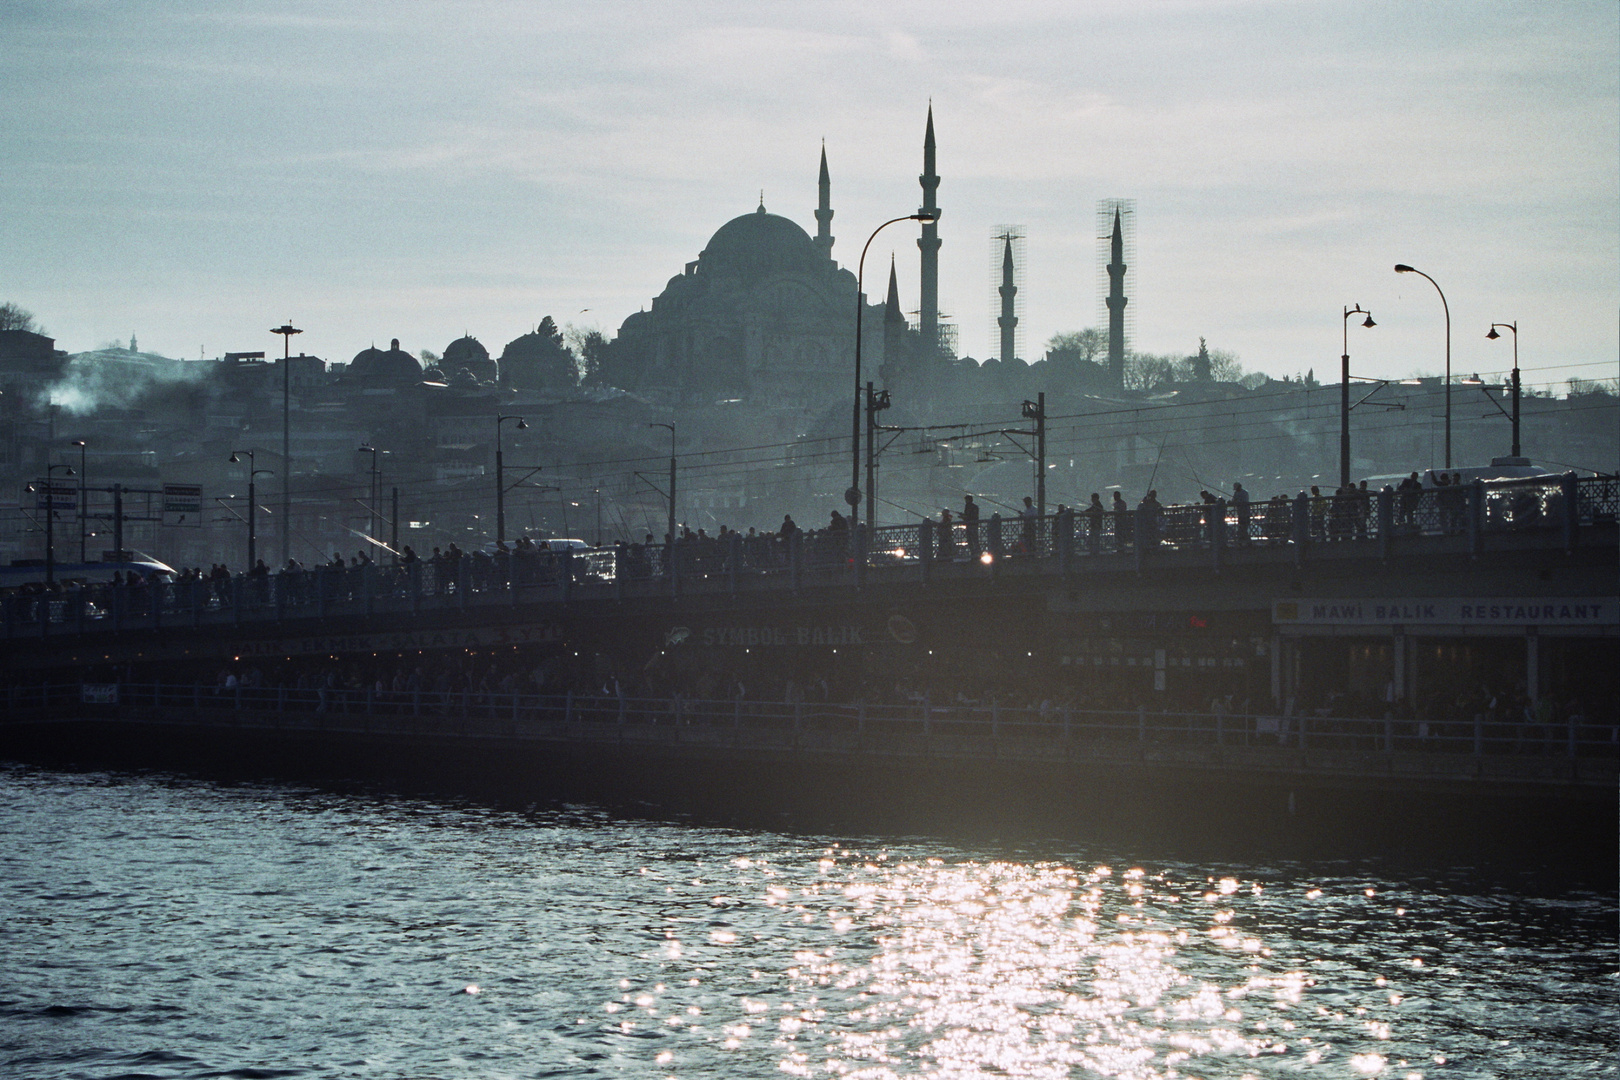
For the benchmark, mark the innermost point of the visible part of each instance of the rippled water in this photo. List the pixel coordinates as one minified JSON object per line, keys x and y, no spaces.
{"x":164,"y":927}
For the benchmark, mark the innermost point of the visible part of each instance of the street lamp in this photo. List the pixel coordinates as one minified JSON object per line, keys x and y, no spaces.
{"x":853,"y":495}
{"x":1344,"y":394}
{"x":671,"y":427}
{"x":1402,"y":268}
{"x":253,"y":505}
{"x":50,"y":516}
{"x":286,"y":330}
{"x":83,"y":473}
{"x":374,"y":523}
{"x":500,"y":483}
{"x":1493,"y":335}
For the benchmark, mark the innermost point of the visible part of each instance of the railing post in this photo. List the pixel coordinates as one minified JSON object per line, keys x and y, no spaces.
{"x":925,"y":548}
{"x":1065,"y":540}
{"x":996,"y":551}
{"x":1570,"y":489}
{"x":1476,"y":516}
{"x":1386,"y":519}
{"x":1301,"y":526}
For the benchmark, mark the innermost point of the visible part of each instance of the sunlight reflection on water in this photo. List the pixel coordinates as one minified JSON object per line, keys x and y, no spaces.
{"x":322,"y":934}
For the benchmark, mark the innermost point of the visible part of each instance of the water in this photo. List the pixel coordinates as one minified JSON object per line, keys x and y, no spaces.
{"x":156,"y":926}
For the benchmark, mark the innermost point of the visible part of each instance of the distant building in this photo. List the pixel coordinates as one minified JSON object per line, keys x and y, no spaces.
{"x":763,"y":315}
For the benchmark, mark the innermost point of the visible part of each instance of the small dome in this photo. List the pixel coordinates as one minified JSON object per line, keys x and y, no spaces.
{"x":757,"y":244}
{"x":468,"y":353}
{"x":373,"y":365}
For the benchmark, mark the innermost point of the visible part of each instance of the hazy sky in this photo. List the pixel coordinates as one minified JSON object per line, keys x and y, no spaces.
{"x":197,"y":173}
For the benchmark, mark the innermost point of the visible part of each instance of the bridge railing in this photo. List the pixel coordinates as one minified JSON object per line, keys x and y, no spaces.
{"x":966,"y":728}
{"x":1557,"y":506}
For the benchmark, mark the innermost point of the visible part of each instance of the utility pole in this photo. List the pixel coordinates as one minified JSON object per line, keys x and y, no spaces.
{"x":671,"y":478}
{"x":875,"y":403}
{"x":286,"y":330}
{"x":82,"y":509}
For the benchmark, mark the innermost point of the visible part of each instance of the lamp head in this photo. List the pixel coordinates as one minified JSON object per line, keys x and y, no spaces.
{"x":234,"y":459}
{"x":522,"y":424}
{"x":79,"y":443}
{"x":1402,"y":268}
{"x":1493,"y":335}
{"x":1369,"y":324}
{"x":925,"y":216}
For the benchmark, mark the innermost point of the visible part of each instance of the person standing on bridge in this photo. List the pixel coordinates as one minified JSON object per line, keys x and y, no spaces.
{"x":970,"y":522}
{"x":1240,"y":500}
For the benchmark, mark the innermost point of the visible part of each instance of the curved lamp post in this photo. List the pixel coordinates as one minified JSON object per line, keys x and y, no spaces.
{"x":83,"y":516}
{"x":500,"y":476}
{"x":1344,"y":393}
{"x":286,"y":330}
{"x":50,"y":517}
{"x":1493,"y":335}
{"x":1402,"y":268}
{"x":853,"y":495}
{"x":253,"y":504}
{"x":374,"y":524}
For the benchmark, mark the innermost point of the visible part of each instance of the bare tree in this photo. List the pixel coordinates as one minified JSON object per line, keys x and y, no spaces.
{"x":1087,"y":345}
{"x":13,"y":317}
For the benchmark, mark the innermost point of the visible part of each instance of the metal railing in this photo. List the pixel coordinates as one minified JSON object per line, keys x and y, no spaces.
{"x":978,"y":729}
{"x":1557,"y":507}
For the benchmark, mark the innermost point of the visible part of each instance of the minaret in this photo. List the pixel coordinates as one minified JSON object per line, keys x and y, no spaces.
{"x":1116,"y":306}
{"x":894,"y":327}
{"x":929,"y":243}
{"x":1008,"y":321}
{"x":824,"y":236}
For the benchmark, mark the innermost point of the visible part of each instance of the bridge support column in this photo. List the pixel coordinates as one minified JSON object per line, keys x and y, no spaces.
{"x":1397,"y":652}
{"x":1532,"y":664}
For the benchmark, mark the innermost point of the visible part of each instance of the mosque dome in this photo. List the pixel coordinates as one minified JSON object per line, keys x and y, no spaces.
{"x":760,"y":243}
{"x":373,"y":365}
{"x":468,"y":353}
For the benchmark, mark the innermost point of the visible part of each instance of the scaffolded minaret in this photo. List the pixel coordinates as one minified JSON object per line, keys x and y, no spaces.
{"x":1116,"y":305}
{"x":929,"y":243}
{"x":824,"y":236}
{"x":1009,"y":320}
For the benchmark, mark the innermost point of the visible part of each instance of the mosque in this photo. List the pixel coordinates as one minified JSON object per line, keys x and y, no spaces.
{"x":764,"y":315}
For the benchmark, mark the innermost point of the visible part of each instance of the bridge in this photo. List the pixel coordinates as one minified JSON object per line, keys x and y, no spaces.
{"x":1472,"y":520}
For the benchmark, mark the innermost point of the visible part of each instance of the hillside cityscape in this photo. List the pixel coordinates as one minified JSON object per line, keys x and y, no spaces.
{"x":741,"y":370}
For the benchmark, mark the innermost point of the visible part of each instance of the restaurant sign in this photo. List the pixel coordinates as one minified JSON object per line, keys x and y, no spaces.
{"x":1450,"y":611}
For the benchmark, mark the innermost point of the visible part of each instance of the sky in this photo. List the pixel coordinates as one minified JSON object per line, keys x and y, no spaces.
{"x":196,"y":173}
